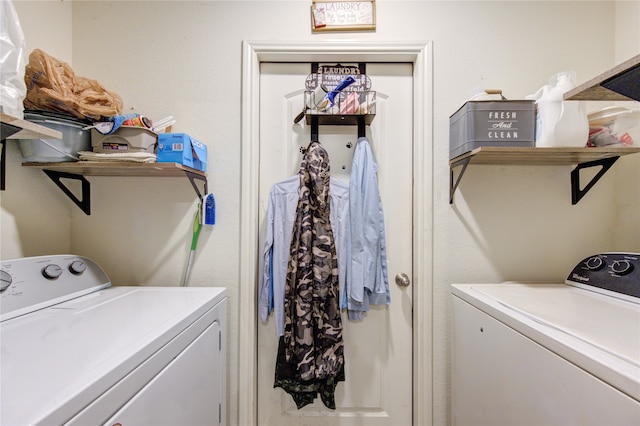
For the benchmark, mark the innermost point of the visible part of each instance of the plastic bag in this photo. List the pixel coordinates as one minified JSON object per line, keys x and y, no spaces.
{"x":53,"y":86}
{"x":12,"y":61}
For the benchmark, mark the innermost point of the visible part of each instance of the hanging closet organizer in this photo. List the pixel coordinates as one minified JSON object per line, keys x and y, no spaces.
{"x":321,"y":75}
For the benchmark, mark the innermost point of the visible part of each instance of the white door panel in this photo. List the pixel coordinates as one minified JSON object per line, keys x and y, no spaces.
{"x":378,"y":350}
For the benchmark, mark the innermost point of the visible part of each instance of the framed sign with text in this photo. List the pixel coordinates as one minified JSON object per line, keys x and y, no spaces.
{"x":343,"y":15}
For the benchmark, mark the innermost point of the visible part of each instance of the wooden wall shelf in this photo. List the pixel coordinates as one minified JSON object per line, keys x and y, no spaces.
{"x":15,"y":128}
{"x":120,"y":168}
{"x":628,"y":73}
{"x":539,"y":156}
{"x":26,"y":129}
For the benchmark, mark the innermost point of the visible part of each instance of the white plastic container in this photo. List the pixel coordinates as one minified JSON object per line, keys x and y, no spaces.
{"x":74,"y":139}
{"x":614,"y":127}
{"x":560,"y":123}
{"x":572,"y":128}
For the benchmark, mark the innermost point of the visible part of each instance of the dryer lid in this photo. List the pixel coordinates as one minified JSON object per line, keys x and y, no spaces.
{"x":57,"y":360}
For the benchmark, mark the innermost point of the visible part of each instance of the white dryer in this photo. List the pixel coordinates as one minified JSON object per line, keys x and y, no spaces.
{"x":550,"y":354}
{"x":76,"y":351}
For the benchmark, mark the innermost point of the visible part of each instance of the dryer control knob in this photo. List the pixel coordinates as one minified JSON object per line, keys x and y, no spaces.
{"x":51,"y":271}
{"x":621,"y":267}
{"x":595,"y":263}
{"x":5,"y":280}
{"x":77,"y":267}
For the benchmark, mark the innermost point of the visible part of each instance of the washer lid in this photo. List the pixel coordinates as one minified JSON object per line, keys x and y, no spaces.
{"x":597,"y":332}
{"x":57,"y":360}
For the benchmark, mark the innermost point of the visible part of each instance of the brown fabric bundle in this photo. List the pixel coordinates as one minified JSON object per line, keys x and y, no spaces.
{"x":53,"y":86}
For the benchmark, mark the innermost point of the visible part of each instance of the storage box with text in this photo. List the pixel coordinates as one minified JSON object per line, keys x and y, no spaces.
{"x":182,"y":149}
{"x":491,"y":123}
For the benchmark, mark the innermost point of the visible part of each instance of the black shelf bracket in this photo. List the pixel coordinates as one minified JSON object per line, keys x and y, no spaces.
{"x":195,"y":176}
{"x":6,"y":130}
{"x":576,"y":192}
{"x":454,"y":185}
{"x":3,"y":165}
{"x":314,"y":128}
{"x":362,"y":130}
{"x":85,"y":202}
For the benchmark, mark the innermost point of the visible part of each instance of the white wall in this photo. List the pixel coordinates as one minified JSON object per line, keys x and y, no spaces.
{"x":183,"y":59}
{"x":627,"y":44}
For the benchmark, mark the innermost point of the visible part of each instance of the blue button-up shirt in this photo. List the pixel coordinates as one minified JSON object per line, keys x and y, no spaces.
{"x":281,"y":213}
{"x":367,"y":281}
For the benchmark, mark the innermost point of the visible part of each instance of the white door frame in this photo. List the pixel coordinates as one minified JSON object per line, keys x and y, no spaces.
{"x":420,"y":55}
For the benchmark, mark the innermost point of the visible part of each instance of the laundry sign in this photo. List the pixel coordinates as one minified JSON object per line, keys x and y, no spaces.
{"x":341,"y":15}
{"x":330,"y":76}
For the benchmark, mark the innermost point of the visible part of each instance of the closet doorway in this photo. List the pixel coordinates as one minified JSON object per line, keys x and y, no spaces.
{"x":388,"y":354}
{"x":378,"y":366}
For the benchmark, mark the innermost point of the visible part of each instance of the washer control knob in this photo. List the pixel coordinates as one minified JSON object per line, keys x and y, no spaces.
{"x":621,"y":267}
{"x":5,"y":281}
{"x":77,"y":267}
{"x":51,"y":271}
{"x":595,"y":263}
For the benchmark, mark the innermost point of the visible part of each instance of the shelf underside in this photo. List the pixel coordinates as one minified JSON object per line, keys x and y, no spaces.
{"x":624,"y":76}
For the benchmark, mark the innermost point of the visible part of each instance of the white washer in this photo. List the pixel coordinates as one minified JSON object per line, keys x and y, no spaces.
{"x":76,"y":351}
{"x":550,"y":354}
